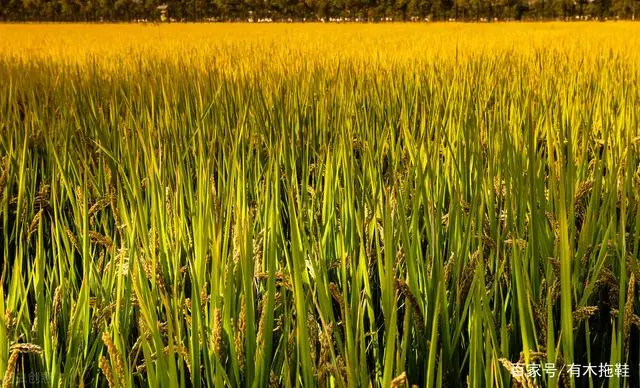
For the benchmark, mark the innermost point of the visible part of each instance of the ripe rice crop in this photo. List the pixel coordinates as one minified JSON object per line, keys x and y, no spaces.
{"x":319,"y":205}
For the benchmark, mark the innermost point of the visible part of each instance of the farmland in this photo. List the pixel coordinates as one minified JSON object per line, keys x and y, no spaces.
{"x":320,"y":205}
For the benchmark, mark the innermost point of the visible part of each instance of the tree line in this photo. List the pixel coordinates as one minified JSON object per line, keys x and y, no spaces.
{"x":316,"y":10}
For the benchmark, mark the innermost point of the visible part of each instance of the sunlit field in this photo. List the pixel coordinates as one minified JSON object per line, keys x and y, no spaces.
{"x":301,"y":205}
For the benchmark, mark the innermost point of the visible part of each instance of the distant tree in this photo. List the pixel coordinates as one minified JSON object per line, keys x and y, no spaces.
{"x":355,"y":8}
{"x":416,"y":8}
{"x":440,"y":9}
{"x":601,"y":9}
{"x":581,"y":6}
{"x":539,"y":7}
{"x":32,"y":9}
{"x":568,"y":8}
{"x":476,"y":9}
{"x":199,"y":10}
{"x":106,"y":10}
{"x":12,"y":10}
{"x":319,"y":8}
{"x":88,"y":10}
{"x":230,"y":8}
{"x":401,"y":7}
{"x":3,"y":9}
{"x":516,"y":9}
{"x":122,"y":9}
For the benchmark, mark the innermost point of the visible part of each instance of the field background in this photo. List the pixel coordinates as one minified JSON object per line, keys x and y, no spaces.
{"x":319,"y":205}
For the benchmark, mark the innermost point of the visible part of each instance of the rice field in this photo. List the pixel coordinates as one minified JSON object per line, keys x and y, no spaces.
{"x":438,"y":205}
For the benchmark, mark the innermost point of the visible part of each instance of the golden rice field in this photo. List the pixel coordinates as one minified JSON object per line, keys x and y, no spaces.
{"x":302,"y":205}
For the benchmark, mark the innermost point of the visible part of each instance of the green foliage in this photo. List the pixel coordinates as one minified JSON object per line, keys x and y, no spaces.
{"x":315,"y":10}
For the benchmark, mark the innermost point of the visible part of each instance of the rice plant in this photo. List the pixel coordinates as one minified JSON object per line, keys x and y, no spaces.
{"x":307,"y":205}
